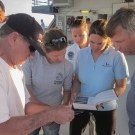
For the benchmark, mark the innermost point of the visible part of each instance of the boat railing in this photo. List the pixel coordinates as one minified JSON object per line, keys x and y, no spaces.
{"x":41,"y":2}
{"x":53,"y":23}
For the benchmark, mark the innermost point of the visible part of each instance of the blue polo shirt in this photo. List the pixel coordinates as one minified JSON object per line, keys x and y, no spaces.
{"x":99,"y":76}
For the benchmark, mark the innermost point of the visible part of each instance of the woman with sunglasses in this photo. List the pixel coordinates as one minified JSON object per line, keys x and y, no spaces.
{"x":45,"y":76}
{"x":98,"y":68}
{"x":80,"y":35}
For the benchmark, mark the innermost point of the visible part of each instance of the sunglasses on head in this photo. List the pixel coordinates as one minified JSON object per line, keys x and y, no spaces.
{"x":55,"y":41}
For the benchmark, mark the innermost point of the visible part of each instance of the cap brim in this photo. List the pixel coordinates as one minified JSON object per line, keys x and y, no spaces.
{"x":37,"y":46}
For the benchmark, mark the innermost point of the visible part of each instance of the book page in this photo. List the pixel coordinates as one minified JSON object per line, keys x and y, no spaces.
{"x":105,"y":96}
{"x":91,"y":101}
{"x":81,"y":100}
{"x":84,"y":106}
{"x":84,"y":103}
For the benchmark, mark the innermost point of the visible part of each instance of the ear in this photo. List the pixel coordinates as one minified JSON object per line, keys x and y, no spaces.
{"x":13,"y":38}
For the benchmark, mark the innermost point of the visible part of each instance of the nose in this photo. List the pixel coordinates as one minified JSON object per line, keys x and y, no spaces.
{"x":78,"y":39}
{"x":60,"y":58}
{"x":95,"y":46}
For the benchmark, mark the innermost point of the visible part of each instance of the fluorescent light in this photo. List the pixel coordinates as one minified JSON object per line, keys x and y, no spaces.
{"x":85,"y":11}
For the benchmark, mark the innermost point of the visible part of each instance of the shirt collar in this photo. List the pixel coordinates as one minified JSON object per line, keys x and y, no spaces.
{"x":105,"y":52}
{"x":79,"y":47}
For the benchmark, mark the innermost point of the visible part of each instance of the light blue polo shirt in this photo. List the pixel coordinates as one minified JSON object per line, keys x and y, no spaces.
{"x":100,"y":76}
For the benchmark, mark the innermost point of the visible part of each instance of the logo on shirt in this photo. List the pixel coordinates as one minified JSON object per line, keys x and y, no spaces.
{"x":59,"y":79}
{"x":107,"y":64}
{"x":71,"y":55}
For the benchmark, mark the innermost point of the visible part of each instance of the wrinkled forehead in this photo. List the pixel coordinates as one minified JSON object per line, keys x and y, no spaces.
{"x":119,"y":30}
{"x":119,"y":35}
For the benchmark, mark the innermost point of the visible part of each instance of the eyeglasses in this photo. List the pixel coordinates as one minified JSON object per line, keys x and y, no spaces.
{"x":55,"y":41}
{"x":31,"y":48}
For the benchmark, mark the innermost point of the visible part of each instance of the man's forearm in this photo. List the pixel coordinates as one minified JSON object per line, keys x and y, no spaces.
{"x":32,"y":108}
{"x":23,"y":125}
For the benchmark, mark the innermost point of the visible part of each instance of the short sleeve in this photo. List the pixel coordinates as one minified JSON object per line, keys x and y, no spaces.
{"x":69,"y":76}
{"x":120,"y":67}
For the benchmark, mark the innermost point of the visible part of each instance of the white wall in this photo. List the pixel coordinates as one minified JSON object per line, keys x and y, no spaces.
{"x":101,"y":7}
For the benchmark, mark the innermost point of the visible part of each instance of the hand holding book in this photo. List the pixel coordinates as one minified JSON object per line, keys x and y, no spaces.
{"x":100,"y":105}
{"x":91,"y":103}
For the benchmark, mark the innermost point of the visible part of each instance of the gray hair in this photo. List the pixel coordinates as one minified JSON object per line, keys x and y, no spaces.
{"x":123,"y":17}
{"x":5,"y":30}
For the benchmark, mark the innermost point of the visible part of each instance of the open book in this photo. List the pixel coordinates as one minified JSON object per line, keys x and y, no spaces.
{"x":89,"y":103}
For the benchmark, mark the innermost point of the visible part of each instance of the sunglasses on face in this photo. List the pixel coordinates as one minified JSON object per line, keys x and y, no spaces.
{"x":55,"y":41}
{"x":31,"y":48}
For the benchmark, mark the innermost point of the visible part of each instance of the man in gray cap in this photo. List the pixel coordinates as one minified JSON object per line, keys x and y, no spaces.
{"x":18,"y":41}
{"x":121,"y":29}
